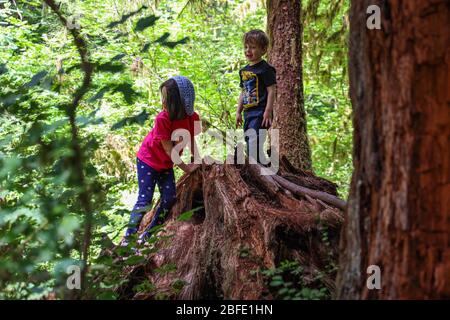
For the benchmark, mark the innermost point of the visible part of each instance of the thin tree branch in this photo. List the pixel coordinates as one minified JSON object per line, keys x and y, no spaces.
{"x":299,"y":190}
{"x":78,"y":160}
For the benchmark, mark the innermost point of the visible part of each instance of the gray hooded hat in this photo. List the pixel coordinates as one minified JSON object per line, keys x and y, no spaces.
{"x":187,"y":93}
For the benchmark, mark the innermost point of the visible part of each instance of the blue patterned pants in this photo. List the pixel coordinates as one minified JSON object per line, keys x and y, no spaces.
{"x":147,"y":179}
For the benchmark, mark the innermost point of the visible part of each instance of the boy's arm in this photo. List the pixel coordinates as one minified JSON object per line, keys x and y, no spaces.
{"x":241,"y":102}
{"x":271,"y":94}
{"x":239,"y":110}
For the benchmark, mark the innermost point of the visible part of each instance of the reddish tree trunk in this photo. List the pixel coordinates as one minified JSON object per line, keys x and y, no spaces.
{"x":399,"y":206}
{"x":285,"y":54}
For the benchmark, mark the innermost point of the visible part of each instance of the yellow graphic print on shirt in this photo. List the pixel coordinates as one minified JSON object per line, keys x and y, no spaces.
{"x":251,"y":94}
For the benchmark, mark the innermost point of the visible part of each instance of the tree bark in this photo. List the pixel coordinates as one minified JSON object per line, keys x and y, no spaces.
{"x":398,"y":215}
{"x":248,"y":223}
{"x":285,"y":54}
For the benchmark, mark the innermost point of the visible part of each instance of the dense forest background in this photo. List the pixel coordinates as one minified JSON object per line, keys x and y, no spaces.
{"x":47,"y":209}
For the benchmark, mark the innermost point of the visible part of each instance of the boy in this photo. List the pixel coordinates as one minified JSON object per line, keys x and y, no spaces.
{"x":258,"y":83}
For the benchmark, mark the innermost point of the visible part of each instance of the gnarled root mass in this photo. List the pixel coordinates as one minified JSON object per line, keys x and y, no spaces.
{"x":246,"y":222}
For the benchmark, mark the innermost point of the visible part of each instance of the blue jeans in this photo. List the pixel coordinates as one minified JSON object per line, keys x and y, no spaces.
{"x":255,"y":140}
{"x":147,"y":179}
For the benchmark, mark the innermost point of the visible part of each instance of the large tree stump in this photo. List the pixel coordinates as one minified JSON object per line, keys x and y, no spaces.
{"x":242,"y":212}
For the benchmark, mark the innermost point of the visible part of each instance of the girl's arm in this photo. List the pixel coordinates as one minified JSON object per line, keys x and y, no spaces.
{"x":168,"y":146}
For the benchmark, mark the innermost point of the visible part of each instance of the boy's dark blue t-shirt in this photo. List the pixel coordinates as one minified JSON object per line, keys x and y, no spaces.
{"x":256,"y":77}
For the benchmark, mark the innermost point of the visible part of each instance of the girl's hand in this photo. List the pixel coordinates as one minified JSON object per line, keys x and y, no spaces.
{"x":267,"y":120}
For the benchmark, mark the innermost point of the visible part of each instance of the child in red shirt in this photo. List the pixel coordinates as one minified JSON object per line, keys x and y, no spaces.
{"x":154,"y":163}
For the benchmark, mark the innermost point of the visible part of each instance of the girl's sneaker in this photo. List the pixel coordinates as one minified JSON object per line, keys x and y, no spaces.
{"x":124,"y":242}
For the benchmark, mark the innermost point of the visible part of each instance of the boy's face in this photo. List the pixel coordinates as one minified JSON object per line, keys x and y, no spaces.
{"x":253,"y":52}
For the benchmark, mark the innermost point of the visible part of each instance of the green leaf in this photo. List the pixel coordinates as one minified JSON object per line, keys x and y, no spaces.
{"x":163,"y":41}
{"x":3,"y":68}
{"x":66,"y":228}
{"x":144,"y":287}
{"x":122,"y":251}
{"x":35,"y":79}
{"x":73,"y":67}
{"x":118,"y":57}
{"x":110,"y":67}
{"x":185,"y":216}
{"x":52,"y":127}
{"x":62,"y":265}
{"x":10,"y":99}
{"x":146,"y":22}
{"x":173,"y":44}
{"x":33,"y":214}
{"x":134,"y":260}
{"x":105,"y":260}
{"x":108,"y":295}
{"x":148,"y":251}
{"x":276,"y":283}
{"x":9,"y":165}
{"x":146,"y":46}
{"x":163,"y":38}
{"x":126,"y":17}
{"x":127,"y":91}
{"x":85,"y":121}
{"x":283,"y":291}
{"x":166,"y":268}
{"x":178,"y":285}
{"x":98,"y":95}
{"x":138,"y":119}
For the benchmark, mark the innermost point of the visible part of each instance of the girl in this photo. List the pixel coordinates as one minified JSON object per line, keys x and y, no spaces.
{"x":154,"y":163}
